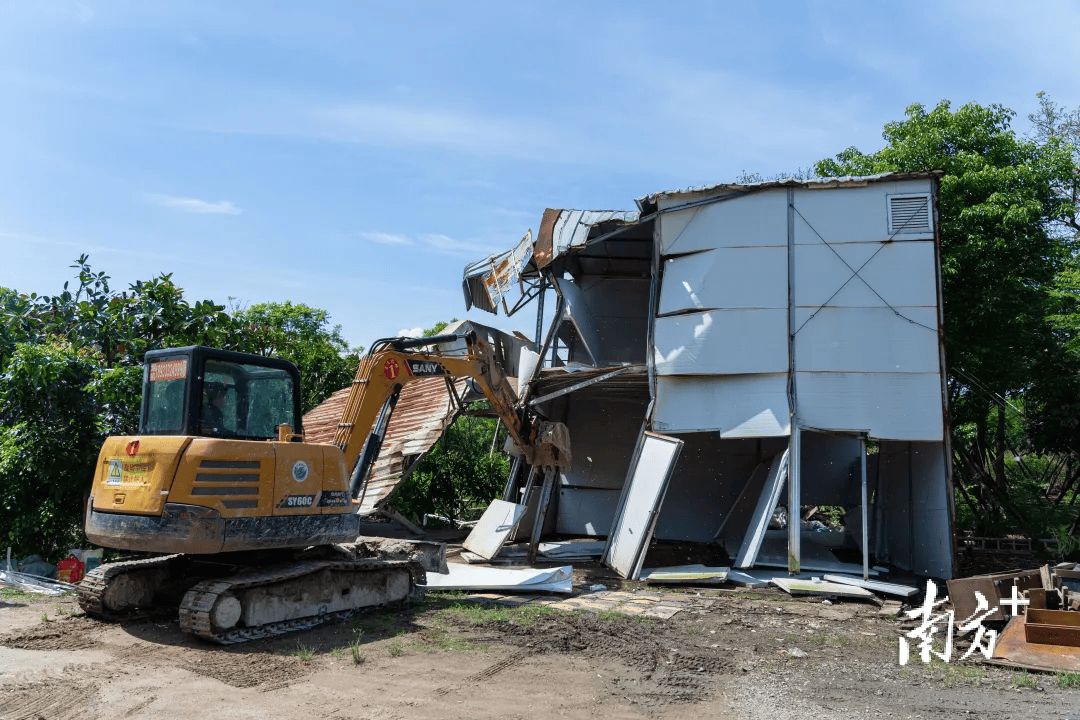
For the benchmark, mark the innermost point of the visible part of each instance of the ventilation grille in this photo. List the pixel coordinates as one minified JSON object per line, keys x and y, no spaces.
{"x":909,"y":214}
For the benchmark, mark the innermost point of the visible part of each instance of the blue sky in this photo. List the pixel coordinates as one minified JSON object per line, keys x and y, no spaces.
{"x":355,"y":156}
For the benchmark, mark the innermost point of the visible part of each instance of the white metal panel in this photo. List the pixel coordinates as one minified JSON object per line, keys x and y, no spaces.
{"x":867,"y":339}
{"x":754,"y":220}
{"x":734,"y":405}
{"x":763,"y":511}
{"x":903,"y":273}
{"x":892,"y":406}
{"x":930,"y":504}
{"x":719,"y":342}
{"x":576,"y":310}
{"x":856,"y":214}
{"x":495,"y":526}
{"x":726,"y":278}
{"x":645,"y":486}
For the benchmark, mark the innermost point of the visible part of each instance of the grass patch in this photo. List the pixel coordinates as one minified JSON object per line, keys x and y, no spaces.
{"x":826,"y":639}
{"x":13,"y":594}
{"x":377,"y":624}
{"x":358,"y":657}
{"x":478,"y":614}
{"x":1024,"y":679}
{"x":1066,"y":679}
{"x":958,"y":673}
{"x":396,"y":648}
{"x":304,"y":652}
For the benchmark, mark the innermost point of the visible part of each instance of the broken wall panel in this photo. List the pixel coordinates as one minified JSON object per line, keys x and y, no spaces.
{"x":721,"y":342}
{"x":733,"y":405}
{"x":646,"y":483}
{"x":757,"y":219}
{"x":742,"y":277}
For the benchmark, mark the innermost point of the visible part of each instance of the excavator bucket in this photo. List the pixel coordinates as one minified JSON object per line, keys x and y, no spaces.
{"x":552,"y":446}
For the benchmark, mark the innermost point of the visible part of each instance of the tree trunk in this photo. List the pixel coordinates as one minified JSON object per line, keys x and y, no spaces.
{"x":999,"y":449}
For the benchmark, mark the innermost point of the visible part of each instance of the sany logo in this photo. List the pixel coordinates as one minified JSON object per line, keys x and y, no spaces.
{"x":391,"y":369}
{"x":132,"y":448}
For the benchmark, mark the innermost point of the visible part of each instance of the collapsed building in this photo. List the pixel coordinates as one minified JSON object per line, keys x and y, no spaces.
{"x":717,"y":354}
{"x":727,"y":349}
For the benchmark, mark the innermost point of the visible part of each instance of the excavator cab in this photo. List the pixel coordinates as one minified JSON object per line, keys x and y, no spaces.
{"x":200,"y":391}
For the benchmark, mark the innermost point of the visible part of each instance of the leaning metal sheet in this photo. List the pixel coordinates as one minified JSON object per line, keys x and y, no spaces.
{"x":645,"y":488}
{"x":494,"y":528}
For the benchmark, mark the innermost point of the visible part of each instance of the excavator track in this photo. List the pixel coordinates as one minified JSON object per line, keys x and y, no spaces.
{"x":93,"y":588}
{"x":200,"y":612}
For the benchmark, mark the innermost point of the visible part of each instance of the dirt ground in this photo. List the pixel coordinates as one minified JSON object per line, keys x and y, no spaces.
{"x":730,"y":654}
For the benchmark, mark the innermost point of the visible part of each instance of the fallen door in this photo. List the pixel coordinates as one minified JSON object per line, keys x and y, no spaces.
{"x":646,"y":482}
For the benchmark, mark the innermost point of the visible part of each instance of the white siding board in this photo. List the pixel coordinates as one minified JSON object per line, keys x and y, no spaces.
{"x":843,"y":215}
{"x":719,"y":342}
{"x":726,"y":278}
{"x":903,"y":273}
{"x":893,"y":406}
{"x":735,"y":405}
{"x":930,"y":504}
{"x":867,"y":339}
{"x":754,"y":220}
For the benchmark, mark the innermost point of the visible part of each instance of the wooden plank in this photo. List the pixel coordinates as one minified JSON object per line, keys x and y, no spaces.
{"x":1064,"y":618}
{"x":1068,"y":636}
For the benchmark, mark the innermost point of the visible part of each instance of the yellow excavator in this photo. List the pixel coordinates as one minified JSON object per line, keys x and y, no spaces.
{"x":237,"y":519}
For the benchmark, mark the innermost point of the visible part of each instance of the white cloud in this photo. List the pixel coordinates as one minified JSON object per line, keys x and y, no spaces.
{"x":194,"y":205}
{"x":386,"y":238}
{"x":411,"y":332}
{"x":412,"y":126}
{"x":449,"y":246}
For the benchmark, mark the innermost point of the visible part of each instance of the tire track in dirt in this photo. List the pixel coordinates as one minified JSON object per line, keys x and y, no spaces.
{"x":51,"y":699}
{"x":73,"y":633}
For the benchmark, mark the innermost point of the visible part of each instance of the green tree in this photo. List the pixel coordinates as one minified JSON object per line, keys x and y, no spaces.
{"x":49,"y":441}
{"x":303,"y":336}
{"x":460,"y":475}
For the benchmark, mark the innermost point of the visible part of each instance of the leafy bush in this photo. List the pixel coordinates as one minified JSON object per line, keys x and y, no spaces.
{"x":49,"y":441}
{"x":458,"y":477}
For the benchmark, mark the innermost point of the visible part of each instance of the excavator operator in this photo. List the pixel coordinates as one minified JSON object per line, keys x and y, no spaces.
{"x":213,"y":404}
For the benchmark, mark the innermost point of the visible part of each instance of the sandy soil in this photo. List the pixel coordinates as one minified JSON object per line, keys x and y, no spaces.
{"x":748,"y":654}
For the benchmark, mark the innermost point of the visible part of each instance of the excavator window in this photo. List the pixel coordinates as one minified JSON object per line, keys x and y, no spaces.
{"x":244,"y":401}
{"x":198,"y":390}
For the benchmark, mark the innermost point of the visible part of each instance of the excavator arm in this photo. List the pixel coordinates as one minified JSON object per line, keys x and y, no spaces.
{"x":393,"y":363}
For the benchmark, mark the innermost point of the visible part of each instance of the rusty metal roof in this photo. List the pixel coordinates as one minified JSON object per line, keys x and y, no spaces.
{"x":423,"y":413}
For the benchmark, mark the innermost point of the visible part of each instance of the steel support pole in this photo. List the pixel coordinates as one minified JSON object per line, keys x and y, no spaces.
{"x":541,"y":513}
{"x":865,"y":514}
